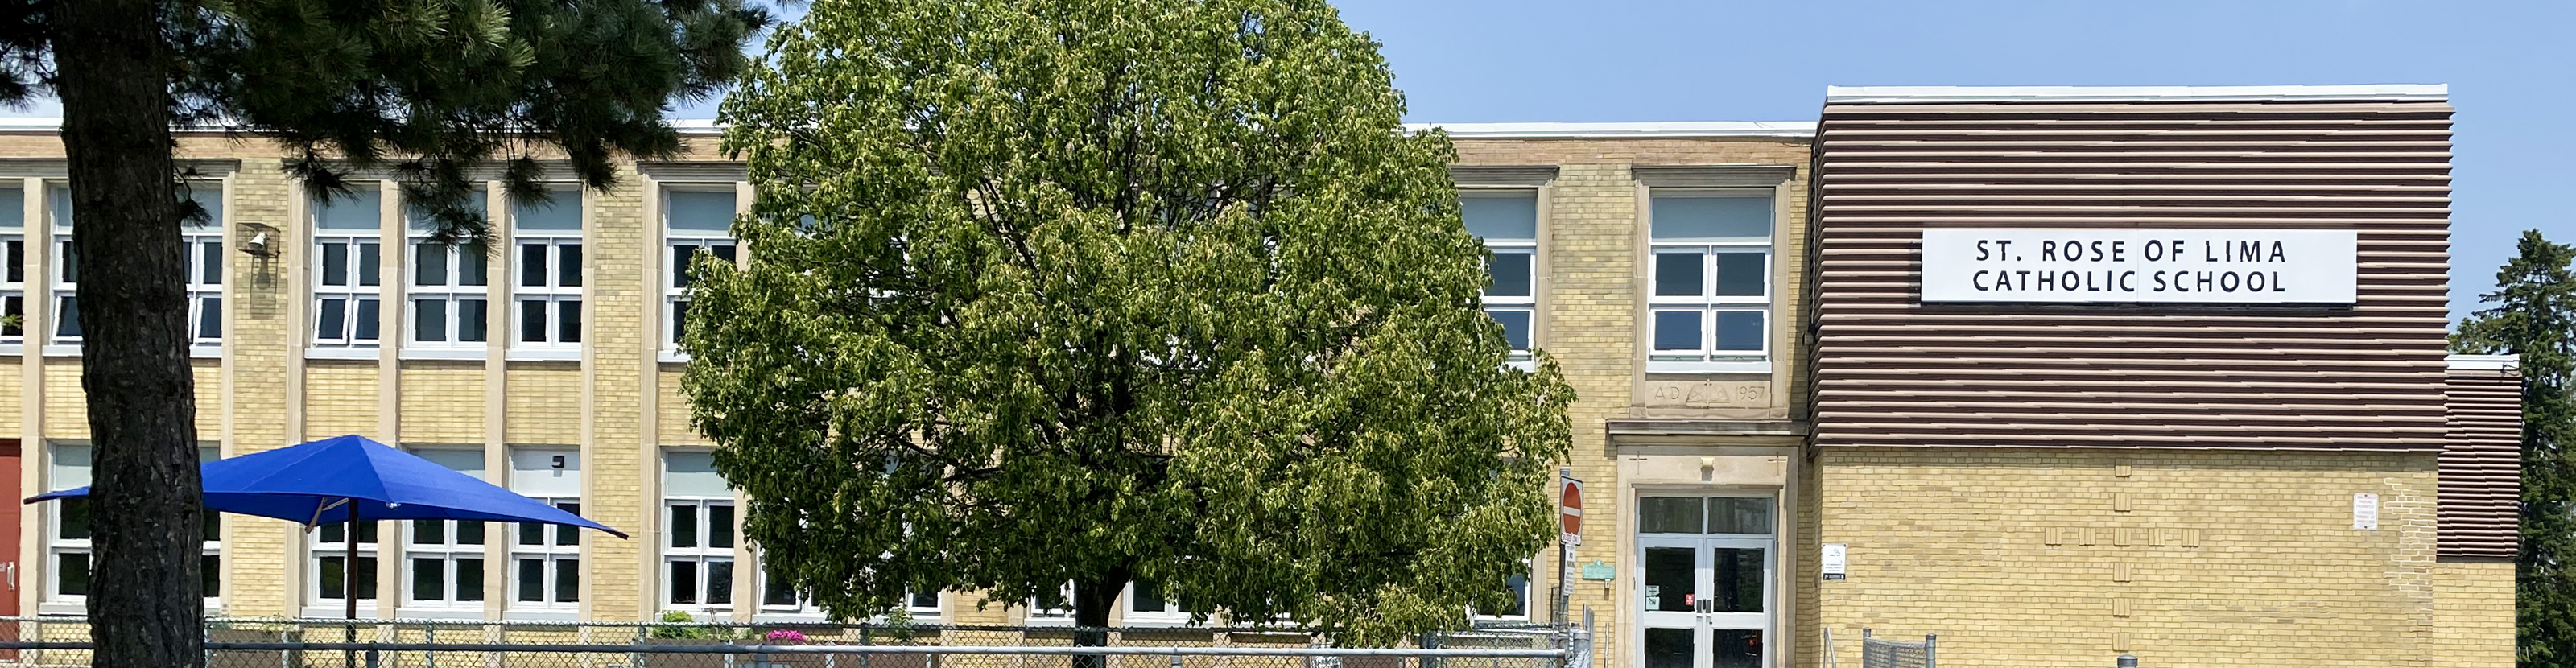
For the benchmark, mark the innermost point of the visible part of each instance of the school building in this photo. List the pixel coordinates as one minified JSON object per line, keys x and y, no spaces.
{"x":2058,"y":374}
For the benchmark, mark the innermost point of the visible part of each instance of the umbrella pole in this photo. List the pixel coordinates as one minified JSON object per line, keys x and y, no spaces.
{"x":349,"y":583}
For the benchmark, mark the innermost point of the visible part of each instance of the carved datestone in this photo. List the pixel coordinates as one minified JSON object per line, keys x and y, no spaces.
{"x":1707,"y":394}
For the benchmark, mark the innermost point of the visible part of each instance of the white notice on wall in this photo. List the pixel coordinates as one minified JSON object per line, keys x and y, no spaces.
{"x":1833,"y":558}
{"x":2365,"y":512}
{"x":2181,"y":266}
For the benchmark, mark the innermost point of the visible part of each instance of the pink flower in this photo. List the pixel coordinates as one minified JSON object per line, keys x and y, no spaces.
{"x":785,"y":636}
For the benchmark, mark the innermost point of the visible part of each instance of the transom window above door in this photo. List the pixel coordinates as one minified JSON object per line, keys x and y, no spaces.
{"x":1724,"y":515}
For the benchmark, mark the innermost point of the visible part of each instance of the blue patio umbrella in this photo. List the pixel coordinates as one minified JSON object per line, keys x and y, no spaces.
{"x":350,"y":478}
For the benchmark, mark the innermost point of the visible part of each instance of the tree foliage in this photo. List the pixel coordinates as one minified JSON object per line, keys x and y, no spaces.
{"x":438,"y":93}
{"x":1085,"y":291}
{"x":2533,"y":314}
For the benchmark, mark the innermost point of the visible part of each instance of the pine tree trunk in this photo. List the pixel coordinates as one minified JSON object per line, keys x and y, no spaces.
{"x":146,"y":609}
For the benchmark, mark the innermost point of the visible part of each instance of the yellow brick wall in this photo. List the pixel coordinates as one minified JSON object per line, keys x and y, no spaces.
{"x":674,"y":422}
{"x":2231,"y":558}
{"x":340,"y":398}
{"x":66,"y":409}
{"x":620,"y":242}
{"x":542,"y":403}
{"x":11,"y":394}
{"x":262,"y":339}
{"x":442,"y":401}
{"x":2472,"y":614}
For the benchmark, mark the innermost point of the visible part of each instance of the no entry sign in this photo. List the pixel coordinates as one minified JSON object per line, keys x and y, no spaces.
{"x":1569,"y":507}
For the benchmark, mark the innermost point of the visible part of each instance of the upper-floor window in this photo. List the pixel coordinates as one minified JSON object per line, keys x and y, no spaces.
{"x":13,"y":278}
{"x":348,"y":260}
{"x":545,"y":558}
{"x":1709,"y":300}
{"x":66,"y":267}
{"x":449,"y":288}
{"x":694,"y":222}
{"x":1508,"y":222}
{"x":547,"y":276}
{"x":203,"y":240}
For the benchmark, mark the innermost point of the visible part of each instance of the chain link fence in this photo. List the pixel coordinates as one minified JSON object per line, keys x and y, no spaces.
{"x":320,"y":643}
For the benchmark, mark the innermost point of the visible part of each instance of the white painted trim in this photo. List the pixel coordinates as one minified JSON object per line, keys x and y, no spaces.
{"x":2483,"y":362}
{"x":1613,"y":130}
{"x":418,"y":352}
{"x":1903,"y":94}
{"x":341,"y":352}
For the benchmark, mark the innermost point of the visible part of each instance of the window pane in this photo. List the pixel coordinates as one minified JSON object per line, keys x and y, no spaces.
{"x":1512,"y":216}
{"x":429,"y":579}
{"x":1739,"y":580}
{"x":13,"y":209}
{"x":774,"y":591}
{"x":366,"y":576}
{"x":561,"y":212}
{"x":11,"y":305}
{"x":75,"y":576}
{"x":330,"y":320}
{"x":568,"y":321}
{"x":1677,"y":274}
{"x":359,"y":210}
{"x":1727,"y":218}
{"x":428,"y":532}
{"x":568,"y":271}
{"x":683,"y":258}
{"x":429,"y":320}
{"x":213,"y":524}
{"x":1509,"y":274}
{"x":684,"y":526}
{"x":1146,"y":598}
{"x":67,"y":320}
{"x":1669,"y":571}
{"x":720,"y":526}
{"x":1516,"y":326}
{"x":701,"y":211}
{"x":370,"y":265}
{"x":431,"y":268}
{"x":1518,"y":583}
{"x":366,"y":536}
{"x":566,"y":534}
{"x":1739,"y":515}
{"x":679,"y":320}
{"x":532,"y":265}
{"x":75,"y":520}
{"x":723,"y":252}
{"x":1677,"y":330}
{"x":366,"y":320}
{"x":335,"y":263}
{"x":211,"y":263}
{"x":334,"y":532}
{"x":17,"y":261}
{"x":68,"y":259}
{"x":1735,"y":648}
{"x":328,"y":581}
{"x":210,"y":575}
{"x":531,"y":533}
{"x":567,"y":580}
{"x":210,"y":317}
{"x":720,"y":582}
{"x":1739,"y":331}
{"x":469,"y":579}
{"x":1668,"y":514}
{"x":925,"y":599}
{"x":472,"y":266}
{"x":684,"y":582}
{"x":469,"y":532}
{"x":470,"y":317}
{"x":1739,"y":274}
{"x":532,"y":580}
{"x":532,"y":320}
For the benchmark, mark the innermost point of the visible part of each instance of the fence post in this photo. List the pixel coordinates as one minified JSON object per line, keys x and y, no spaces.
{"x":1928,"y":661}
{"x":865,"y":640}
{"x":373,"y":661}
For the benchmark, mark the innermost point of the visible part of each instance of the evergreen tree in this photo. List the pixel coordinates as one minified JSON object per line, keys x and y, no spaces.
{"x":1064,"y":295}
{"x":435,"y":91}
{"x":2534,"y":316}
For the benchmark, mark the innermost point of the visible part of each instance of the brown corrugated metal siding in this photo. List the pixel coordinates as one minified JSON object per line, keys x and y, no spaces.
{"x":1896,"y":372}
{"x":2482,"y":467}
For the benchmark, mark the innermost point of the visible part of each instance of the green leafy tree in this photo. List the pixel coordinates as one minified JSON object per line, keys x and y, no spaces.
{"x":1106,"y":292}
{"x":2534,"y":316}
{"x":435,"y":91}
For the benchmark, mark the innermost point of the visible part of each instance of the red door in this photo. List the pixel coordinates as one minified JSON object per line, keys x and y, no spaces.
{"x":11,"y":513}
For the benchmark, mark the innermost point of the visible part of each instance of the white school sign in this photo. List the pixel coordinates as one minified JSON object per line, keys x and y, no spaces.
{"x":2202,"y":266}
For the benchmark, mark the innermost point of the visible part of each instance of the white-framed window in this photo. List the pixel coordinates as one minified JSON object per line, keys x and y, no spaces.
{"x":1519,"y":584}
{"x":204,"y":243}
{"x":546,"y":275}
{"x":65,"y":267}
{"x":545,"y":560}
{"x":1042,"y":614}
{"x":448,"y":290}
{"x":1147,"y":606}
{"x":1508,"y":223}
{"x":1709,"y":291}
{"x":694,"y":222}
{"x":67,"y":546}
{"x":698,"y":534}
{"x":336,"y":557}
{"x":443,"y":559}
{"x":347,"y":260}
{"x":13,"y":278}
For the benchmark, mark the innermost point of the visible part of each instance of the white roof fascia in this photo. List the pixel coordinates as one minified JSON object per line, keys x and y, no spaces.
{"x":1923,"y":94}
{"x":2483,"y":362}
{"x":1617,"y":130}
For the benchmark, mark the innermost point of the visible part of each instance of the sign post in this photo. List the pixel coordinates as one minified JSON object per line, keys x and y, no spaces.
{"x":1569,"y":514}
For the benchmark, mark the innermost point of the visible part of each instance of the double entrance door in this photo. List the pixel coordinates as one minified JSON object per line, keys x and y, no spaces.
{"x":1704,"y":581}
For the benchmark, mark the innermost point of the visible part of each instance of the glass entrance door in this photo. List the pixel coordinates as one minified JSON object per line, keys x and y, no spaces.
{"x":1703,"y":574}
